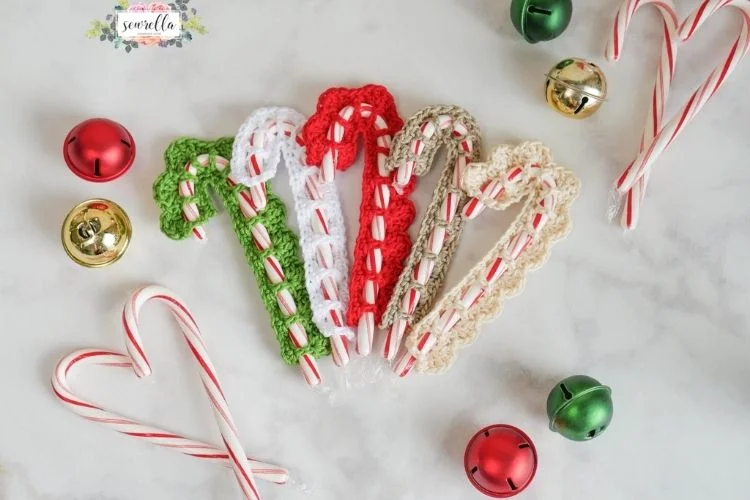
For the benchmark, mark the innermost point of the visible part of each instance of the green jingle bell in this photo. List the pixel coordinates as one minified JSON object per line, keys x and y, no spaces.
{"x":541,"y":20}
{"x":579,"y":408}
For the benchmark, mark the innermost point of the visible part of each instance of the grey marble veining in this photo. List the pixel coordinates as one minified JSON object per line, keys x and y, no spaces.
{"x":660,"y":314}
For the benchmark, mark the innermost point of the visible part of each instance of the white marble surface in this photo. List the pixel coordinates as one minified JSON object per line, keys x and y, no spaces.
{"x":661,"y":315}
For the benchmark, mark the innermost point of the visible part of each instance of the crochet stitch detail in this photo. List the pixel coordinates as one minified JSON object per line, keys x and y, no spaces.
{"x":342,"y":117}
{"x":268,"y":135}
{"x":526,"y":171}
{"x":413,"y":153}
{"x":193,"y":167}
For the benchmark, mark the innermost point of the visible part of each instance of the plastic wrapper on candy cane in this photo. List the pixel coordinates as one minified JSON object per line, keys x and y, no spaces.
{"x":342,"y":117}
{"x":259,"y":221}
{"x":230,"y":453}
{"x":413,"y":154}
{"x":524,"y":172}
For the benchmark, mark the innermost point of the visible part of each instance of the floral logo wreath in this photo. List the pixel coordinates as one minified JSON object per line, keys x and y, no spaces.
{"x":106,"y":32}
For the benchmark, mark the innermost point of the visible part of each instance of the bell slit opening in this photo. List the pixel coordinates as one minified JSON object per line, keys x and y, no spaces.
{"x":584,"y":102}
{"x":566,"y":393}
{"x":533,"y":9}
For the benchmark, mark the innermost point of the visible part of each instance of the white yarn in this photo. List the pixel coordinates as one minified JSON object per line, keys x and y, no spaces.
{"x":273,"y":123}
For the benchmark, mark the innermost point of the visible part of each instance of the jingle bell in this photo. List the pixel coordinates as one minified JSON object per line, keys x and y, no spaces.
{"x":96,"y":233}
{"x":576,"y":88}
{"x":579,"y":408}
{"x":541,"y":20}
{"x":500,"y":461}
{"x":99,"y":150}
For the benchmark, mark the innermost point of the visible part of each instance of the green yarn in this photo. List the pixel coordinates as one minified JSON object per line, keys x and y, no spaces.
{"x":285,"y":244}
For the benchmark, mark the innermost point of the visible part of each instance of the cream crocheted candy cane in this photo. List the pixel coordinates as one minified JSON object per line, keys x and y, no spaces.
{"x":413,"y":154}
{"x":321,"y":227}
{"x":526,"y":171}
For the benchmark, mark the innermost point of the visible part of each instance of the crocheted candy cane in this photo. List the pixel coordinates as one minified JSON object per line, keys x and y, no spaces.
{"x":321,"y":227}
{"x":231,"y":452}
{"x":665,"y":73}
{"x":259,"y":220}
{"x":526,"y":171}
{"x":331,"y":134}
{"x":645,"y":161}
{"x":413,"y":153}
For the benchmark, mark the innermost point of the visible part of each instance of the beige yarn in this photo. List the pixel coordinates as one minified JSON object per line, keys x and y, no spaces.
{"x":447,"y":120}
{"x":537,"y":166}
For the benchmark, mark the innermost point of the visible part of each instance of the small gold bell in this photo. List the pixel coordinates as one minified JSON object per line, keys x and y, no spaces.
{"x":96,"y":233}
{"x":576,"y":88}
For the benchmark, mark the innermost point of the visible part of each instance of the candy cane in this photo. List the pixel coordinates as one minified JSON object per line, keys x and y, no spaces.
{"x":230,"y":453}
{"x":665,"y":73}
{"x":413,"y":154}
{"x":259,"y":220}
{"x":455,"y":320}
{"x":331,"y":134}
{"x":322,"y":238}
{"x":645,"y":161}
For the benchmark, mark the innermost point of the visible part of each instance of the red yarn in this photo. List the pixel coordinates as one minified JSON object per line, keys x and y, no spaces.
{"x":400,"y":212}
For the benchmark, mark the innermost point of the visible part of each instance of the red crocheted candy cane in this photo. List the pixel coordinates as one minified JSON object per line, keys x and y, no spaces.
{"x":342,"y":117}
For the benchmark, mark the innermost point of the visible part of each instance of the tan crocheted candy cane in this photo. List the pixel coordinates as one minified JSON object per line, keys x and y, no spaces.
{"x":526,"y":171}
{"x":413,"y":153}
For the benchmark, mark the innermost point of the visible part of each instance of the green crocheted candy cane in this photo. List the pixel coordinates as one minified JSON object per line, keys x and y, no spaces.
{"x":259,"y":220}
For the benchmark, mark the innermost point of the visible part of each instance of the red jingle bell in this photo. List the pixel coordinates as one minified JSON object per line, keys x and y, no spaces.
{"x":500,"y":461}
{"x":99,"y":150}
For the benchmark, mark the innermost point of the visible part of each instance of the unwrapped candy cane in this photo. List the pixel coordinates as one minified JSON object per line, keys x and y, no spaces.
{"x":633,"y":197}
{"x":318,"y":210}
{"x":526,"y":171}
{"x":259,"y":220}
{"x":230,"y":453}
{"x":413,"y":154}
{"x":640,"y":169}
{"x":331,"y":134}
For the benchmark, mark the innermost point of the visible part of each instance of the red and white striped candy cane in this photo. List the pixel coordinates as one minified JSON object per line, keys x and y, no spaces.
{"x":231,"y":452}
{"x":413,"y":154}
{"x":266,"y":136}
{"x":457,"y":317}
{"x":645,"y":161}
{"x":633,"y":197}
{"x":331,"y":135}
{"x":160,"y":437}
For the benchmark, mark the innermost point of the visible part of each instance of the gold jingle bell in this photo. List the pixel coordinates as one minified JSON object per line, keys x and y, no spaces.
{"x":96,"y":233}
{"x":576,"y":88}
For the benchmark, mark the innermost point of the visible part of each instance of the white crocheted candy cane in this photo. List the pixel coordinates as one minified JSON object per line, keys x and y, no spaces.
{"x":633,"y":198}
{"x":642,"y":166}
{"x":526,"y":171}
{"x":413,"y":153}
{"x":231,"y":453}
{"x":266,"y":136}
